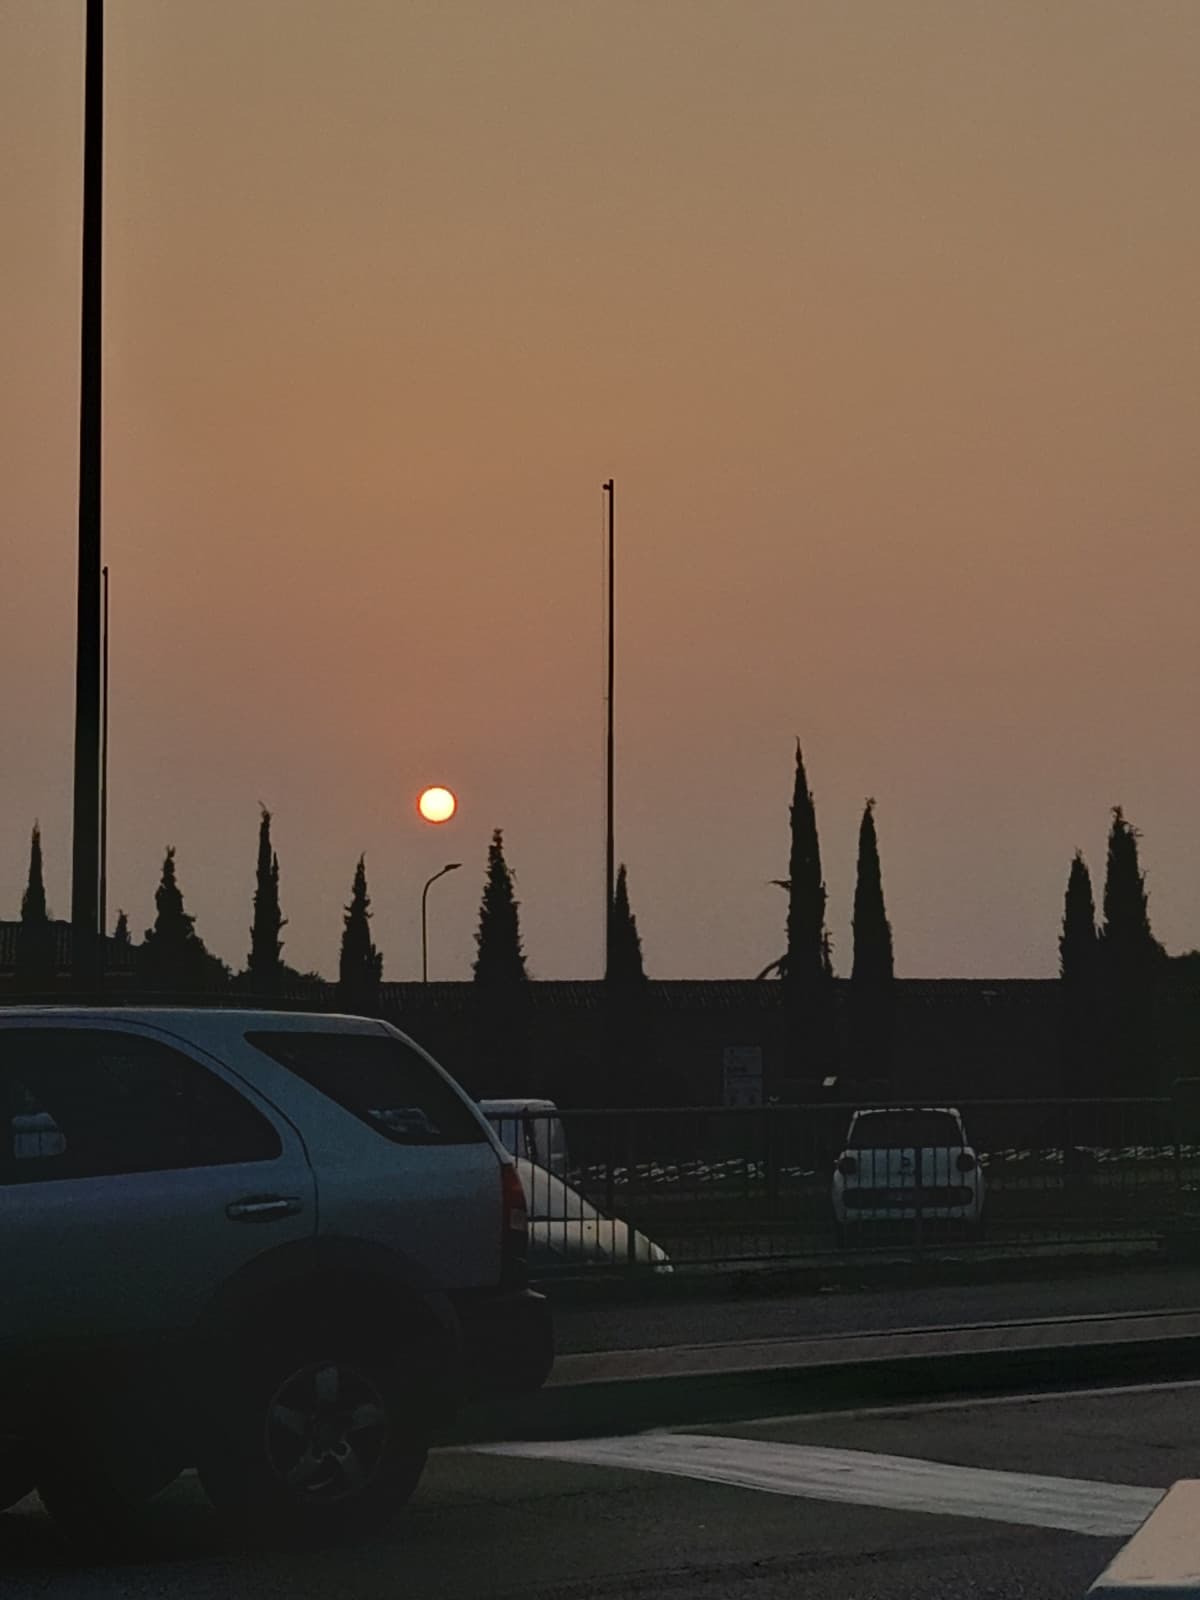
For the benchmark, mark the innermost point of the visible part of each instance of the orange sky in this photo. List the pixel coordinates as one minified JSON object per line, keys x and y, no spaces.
{"x":884,"y":317}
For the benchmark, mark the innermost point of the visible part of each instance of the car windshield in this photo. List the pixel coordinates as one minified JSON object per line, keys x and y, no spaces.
{"x":904,"y":1130}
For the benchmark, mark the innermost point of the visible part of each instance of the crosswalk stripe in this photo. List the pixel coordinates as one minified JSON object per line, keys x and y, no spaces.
{"x":860,"y":1477}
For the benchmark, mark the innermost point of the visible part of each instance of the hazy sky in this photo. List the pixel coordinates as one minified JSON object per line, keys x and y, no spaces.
{"x":886,"y":319}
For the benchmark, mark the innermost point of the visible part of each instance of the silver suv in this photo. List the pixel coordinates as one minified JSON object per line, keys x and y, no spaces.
{"x":280,"y":1248}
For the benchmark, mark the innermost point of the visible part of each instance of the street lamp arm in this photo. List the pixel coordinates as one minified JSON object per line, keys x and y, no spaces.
{"x":451,"y":866}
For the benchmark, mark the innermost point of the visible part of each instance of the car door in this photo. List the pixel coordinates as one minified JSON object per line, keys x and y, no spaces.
{"x":136,"y":1176}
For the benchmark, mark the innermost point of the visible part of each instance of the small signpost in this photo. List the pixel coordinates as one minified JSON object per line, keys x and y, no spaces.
{"x":742,"y":1075}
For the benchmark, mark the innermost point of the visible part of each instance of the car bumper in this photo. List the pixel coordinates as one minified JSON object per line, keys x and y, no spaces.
{"x":508,"y":1341}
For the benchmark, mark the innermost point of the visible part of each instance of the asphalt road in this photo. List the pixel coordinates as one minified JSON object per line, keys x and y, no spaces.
{"x":726,"y":1316}
{"x":578,"y":1529}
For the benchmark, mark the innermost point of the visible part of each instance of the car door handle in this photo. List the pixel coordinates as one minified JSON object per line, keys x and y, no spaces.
{"x":264,"y":1207}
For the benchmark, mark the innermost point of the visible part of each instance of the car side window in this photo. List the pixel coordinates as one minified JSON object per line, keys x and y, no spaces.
{"x":380,"y":1080}
{"x":83,"y":1102}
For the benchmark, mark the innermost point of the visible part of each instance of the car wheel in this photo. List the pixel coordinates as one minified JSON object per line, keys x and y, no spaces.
{"x":315,"y":1447}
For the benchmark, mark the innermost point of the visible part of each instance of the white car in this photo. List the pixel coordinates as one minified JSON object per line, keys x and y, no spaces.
{"x":901,"y":1164}
{"x":531,"y":1129}
{"x":276,"y":1247}
{"x":566,"y":1230}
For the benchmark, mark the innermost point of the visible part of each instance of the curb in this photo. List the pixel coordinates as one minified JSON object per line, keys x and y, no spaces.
{"x":608,"y":1286}
{"x":630,"y":1391}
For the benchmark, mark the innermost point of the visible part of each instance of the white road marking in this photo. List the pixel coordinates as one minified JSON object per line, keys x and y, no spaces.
{"x":859,"y":1477}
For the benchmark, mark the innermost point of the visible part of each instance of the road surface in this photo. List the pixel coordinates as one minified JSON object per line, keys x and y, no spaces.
{"x":913,"y":1504}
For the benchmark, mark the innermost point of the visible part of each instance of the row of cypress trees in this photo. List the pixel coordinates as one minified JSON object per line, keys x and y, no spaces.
{"x":806,"y":966}
{"x":1109,"y":967}
{"x":1110,"y":971}
{"x":173,"y":956}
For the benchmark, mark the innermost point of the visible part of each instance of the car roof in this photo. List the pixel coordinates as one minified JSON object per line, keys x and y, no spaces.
{"x":207,"y":1016}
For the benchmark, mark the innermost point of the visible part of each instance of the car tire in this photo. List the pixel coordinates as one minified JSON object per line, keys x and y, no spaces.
{"x":315,"y":1446}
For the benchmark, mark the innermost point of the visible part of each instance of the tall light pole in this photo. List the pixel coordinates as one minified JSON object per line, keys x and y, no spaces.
{"x":451,"y":866}
{"x":85,"y":849}
{"x":104,"y":774}
{"x":609,"y":851}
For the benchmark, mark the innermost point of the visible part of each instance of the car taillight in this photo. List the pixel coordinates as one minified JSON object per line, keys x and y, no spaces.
{"x":965,"y":1162}
{"x":847,"y":1166}
{"x":513,"y":1211}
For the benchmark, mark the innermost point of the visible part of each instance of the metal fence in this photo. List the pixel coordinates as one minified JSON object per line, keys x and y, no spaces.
{"x":649,"y":1190}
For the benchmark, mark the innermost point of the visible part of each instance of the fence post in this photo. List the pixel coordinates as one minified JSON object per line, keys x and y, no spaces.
{"x":770,"y":1167}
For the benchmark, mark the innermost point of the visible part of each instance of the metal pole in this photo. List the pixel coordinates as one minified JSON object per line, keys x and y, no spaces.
{"x":104,"y":777}
{"x":85,"y":852}
{"x":609,"y":852}
{"x":451,"y":866}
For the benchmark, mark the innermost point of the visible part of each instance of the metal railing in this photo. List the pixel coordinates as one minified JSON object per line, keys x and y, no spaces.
{"x":704,"y":1186}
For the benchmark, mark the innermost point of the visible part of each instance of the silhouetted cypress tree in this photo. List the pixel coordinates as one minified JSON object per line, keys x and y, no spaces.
{"x":1079,"y":996}
{"x":121,"y":931}
{"x":1130,"y":959}
{"x":804,"y":965}
{"x":173,"y":956}
{"x":627,"y":967}
{"x":500,"y":960}
{"x":807,"y":966}
{"x":502,"y":991}
{"x":634,"y":1076}
{"x":35,"y":964}
{"x":265,"y":963}
{"x":1077,"y":941}
{"x":872,"y":975}
{"x":360,"y":968}
{"x":1126,"y":936}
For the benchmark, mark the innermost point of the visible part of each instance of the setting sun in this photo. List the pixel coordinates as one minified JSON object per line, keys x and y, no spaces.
{"x":437,"y":804}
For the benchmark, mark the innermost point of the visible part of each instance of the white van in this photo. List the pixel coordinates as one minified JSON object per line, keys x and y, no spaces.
{"x":532,"y":1130}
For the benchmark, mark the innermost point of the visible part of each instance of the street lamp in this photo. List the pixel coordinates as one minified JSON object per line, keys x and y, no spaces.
{"x":451,"y":866}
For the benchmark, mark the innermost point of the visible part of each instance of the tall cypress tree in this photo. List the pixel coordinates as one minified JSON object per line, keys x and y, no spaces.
{"x":1077,"y":941}
{"x":1130,"y":959}
{"x":35,"y":964}
{"x":502,"y":990}
{"x":1126,"y":937}
{"x":500,"y":960}
{"x":806,"y":961}
{"x":360,"y":967}
{"x":1078,"y":991}
{"x":265,"y":963}
{"x":173,"y":956}
{"x":807,"y":965}
{"x":872,"y":976}
{"x":121,"y":931}
{"x":627,"y":967}
{"x":633,"y":1075}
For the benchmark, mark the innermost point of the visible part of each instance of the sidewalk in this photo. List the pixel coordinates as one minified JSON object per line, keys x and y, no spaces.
{"x":723,"y":1315}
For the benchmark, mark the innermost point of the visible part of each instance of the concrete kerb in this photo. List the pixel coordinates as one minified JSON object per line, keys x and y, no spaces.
{"x":606,"y":1286}
{"x":629,"y":1391}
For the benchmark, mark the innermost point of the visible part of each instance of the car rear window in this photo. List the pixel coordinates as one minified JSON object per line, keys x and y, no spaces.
{"x":904,"y":1130}
{"x":381,"y":1080}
